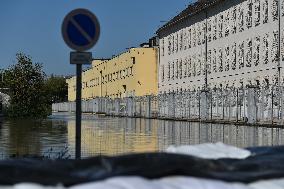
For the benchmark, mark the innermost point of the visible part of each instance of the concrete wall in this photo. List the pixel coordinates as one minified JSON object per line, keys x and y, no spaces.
{"x":247,"y":105}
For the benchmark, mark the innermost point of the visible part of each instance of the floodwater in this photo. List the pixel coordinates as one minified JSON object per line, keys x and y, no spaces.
{"x":112,"y":135}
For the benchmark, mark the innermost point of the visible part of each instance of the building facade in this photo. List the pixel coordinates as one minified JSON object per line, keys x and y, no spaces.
{"x":222,"y":43}
{"x":132,"y":73}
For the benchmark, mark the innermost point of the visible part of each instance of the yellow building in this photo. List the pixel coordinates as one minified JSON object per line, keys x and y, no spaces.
{"x":132,"y":73}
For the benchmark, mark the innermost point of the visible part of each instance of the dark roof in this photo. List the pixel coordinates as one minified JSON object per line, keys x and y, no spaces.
{"x":190,"y":11}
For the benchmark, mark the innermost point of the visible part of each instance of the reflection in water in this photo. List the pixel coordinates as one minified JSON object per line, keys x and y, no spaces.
{"x":112,"y":135}
{"x":31,"y":137}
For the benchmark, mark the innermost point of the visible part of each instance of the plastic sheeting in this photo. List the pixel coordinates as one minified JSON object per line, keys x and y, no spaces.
{"x":211,"y":151}
{"x":264,"y":164}
{"x":164,"y":183}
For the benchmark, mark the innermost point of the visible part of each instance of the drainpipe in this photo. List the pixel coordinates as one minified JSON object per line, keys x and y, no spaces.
{"x":206,"y":59}
{"x":101,"y":92}
{"x":279,"y":44}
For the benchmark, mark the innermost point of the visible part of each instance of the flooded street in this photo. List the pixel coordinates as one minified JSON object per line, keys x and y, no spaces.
{"x":113,"y":135}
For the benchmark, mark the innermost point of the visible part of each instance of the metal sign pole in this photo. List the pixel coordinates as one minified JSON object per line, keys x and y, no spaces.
{"x":78,"y":110}
{"x":80,"y":35}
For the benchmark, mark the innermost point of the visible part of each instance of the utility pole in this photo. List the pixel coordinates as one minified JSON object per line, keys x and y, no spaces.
{"x":206,"y":58}
{"x":279,"y":44}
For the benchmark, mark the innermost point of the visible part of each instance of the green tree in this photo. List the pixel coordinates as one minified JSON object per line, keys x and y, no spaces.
{"x":26,"y":82}
{"x":56,"y":89}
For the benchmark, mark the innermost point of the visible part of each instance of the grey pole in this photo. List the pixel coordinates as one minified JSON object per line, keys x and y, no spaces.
{"x":279,"y":44}
{"x":78,"y":110}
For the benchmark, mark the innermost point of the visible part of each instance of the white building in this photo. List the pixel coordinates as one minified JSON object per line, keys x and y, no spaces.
{"x":237,"y":41}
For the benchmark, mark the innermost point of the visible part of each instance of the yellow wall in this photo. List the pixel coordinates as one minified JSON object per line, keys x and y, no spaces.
{"x":132,"y":73}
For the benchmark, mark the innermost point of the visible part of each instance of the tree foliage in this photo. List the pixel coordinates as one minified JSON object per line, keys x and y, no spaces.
{"x":31,"y":91}
{"x":56,"y":89}
{"x":26,"y":82}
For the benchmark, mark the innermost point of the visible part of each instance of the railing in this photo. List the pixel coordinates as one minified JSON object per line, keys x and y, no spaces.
{"x":251,"y":105}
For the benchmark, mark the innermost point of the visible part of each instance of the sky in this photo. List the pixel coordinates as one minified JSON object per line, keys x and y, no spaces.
{"x":34,"y":28}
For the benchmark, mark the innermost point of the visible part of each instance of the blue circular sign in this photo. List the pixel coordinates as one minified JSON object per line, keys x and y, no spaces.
{"x":80,"y":29}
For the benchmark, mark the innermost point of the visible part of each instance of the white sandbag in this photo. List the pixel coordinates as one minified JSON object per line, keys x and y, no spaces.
{"x":211,"y":151}
{"x":176,"y":182}
{"x":165,"y":183}
{"x":268,"y":184}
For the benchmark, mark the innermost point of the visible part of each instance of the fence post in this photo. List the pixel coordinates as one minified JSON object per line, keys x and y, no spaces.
{"x":171,"y":105}
{"x":130,"y":108}
{"x":116,"y":107}
{"x":282,"y":107}
{"x":148,"y":107}
{"x":251,"y":111}
{"x":204,"y":114}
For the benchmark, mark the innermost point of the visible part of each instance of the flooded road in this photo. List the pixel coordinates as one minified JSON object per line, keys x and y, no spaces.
{"x":113,"y":135}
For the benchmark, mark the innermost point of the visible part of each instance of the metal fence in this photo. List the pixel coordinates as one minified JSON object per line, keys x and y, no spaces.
{"x":252,"y":105}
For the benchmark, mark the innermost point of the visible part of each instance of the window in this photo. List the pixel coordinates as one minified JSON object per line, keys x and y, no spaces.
{"x":227,"y":58}
{"x":169,"y":45}
{"x":163,"y":73}
{"x":220,"y":26}
{"x":198,"y":64}
{"x":199,"y":35}
{"x":215,"y":21}
{"x":220,"y":59}
{"x":282,"y":7}
{"x":130,"y":70}
{"x":227,"y":23}
{"x":209,"y":62}
{"x":256,"y":51}
{"x":181,"y":40}
{"x":249,"y":53}
{"x":234,"y":19}
{"x":189,"y":38}
{"x":162,"y":47}
{"x":241,"y":55}
{"x":173,"y":44}
{"x":282,"y":44}
{"x":185,"y":39}
{"x":214,"y":60}
{"x":173,"y":70}
{"x":209,"y":30}
{"x":249,"y":14}
{"x":177,"y":42}
{"x":169,"y":71}
{"x":189,"y":70}
{"x":185,"y":64}
{"x":133,"y":60}
{"x":177,"y":69}
{"x":265,"y":11}
{"x":193,"y":37}
{"x":257,"y":12}
{"x":240,"y":18}
{"x":265,"y":49}
{"x":123,"y":74}
{"x":234,"y":56}
{"x":203,"y":32}
{"x":180,"y":68}
{"x":194,"y":65}
{"x":126,"y":72}
{"x":274,"y":50}
{"x":274,"y":10}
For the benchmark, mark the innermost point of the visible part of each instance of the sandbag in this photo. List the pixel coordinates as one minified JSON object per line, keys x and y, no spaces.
{"x":263,"y":164}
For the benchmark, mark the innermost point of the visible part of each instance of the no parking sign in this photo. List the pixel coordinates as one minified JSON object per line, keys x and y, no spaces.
{"x":80,"y":31}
